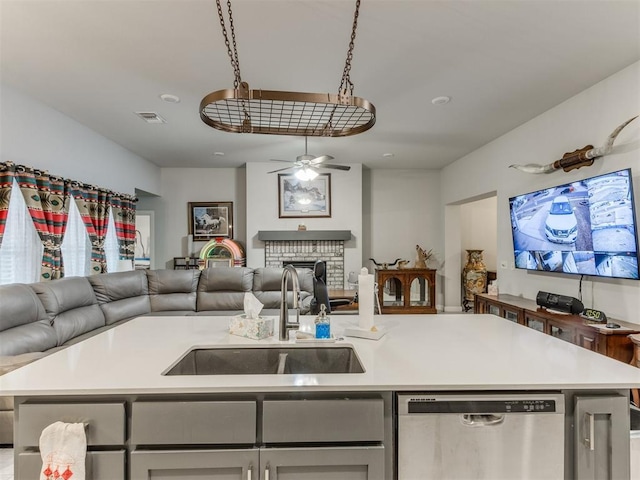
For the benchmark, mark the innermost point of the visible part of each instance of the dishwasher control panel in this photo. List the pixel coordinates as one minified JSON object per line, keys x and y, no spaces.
{"x":480,"y":404}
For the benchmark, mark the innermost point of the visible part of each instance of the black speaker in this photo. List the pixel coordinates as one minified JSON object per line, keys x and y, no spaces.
{"x":560,"y":303}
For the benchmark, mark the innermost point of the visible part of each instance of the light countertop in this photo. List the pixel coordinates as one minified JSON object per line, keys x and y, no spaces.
{"x":418,"y":352}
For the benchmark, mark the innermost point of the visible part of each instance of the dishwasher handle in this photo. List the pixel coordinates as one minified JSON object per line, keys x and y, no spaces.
{"x":481,"y":420}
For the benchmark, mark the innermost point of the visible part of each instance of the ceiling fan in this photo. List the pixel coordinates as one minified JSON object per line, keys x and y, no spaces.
{"x":306,"y":165}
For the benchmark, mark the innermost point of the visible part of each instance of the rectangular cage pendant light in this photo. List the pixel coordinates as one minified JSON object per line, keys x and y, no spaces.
{"x":286,"y":113}
{"x":241,"y":110}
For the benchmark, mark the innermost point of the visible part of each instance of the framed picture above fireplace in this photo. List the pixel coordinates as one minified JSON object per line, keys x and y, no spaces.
{"x":210,"y":219}
{"x":304,"y":199}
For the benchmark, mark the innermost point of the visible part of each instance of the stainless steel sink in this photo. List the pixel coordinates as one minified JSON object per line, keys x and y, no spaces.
{"x":273,"y":360}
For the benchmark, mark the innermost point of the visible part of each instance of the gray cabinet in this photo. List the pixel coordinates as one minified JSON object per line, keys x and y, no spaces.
{"x":105,"y":465}
{"x":325,"y":436}
{"x":322,"y":463}
{"x":220,"y":440}
{"x":601,"y":448}
{"x":193,"y":423}
{"x":234,"y":464}
{"x":105,"y":432}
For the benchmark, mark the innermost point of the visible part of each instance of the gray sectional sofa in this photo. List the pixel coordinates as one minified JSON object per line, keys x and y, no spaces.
{"x":41,"y":318}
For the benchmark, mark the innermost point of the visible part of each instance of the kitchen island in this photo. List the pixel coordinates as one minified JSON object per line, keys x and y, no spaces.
{"x":147,"y":421}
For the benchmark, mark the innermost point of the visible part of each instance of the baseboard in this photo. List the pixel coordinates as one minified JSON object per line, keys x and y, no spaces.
{"x":452,"y":309}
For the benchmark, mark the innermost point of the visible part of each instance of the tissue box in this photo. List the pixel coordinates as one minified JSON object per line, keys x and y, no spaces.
{"x":256,"y":328}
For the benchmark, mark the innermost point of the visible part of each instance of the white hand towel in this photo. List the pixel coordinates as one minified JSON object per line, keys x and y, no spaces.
{"x":63,"y":447}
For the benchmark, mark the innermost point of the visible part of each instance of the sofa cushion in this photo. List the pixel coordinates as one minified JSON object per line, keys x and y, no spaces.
{"x":9,"y":363}
{"x":171,"y":290}
{"x":223,"y":288}
{"x":121,"y":295}
{"x":266,"y":287}
{"x":24,"y":324}
{"x":71,"y":306}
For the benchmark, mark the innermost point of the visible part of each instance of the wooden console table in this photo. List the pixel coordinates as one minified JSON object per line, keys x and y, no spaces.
{"x":407,"y":290}
{"x":614,"y":343}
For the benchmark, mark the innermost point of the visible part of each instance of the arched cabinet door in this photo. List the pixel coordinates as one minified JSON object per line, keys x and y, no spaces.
{"x":407,"y":290}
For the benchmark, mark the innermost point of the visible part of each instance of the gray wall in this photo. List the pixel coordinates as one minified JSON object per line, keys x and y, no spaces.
{"x":35,"y":135}
{"x":388,"y":211}
{"x":587,"y":118}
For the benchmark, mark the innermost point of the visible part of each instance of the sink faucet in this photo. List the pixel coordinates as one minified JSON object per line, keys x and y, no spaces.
{"x":285,"y":326}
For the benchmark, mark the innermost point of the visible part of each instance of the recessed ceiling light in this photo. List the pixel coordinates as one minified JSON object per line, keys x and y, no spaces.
{"x":219,"y":154}
{"x":388,"y":155}
{"x":441,"y":100}
{"x":167,"y":97}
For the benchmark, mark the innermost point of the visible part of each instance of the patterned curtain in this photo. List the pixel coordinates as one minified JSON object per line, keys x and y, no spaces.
{"x":6,"y":182}
{"x":123,"y":209}
{"x":93,"y":204}
{"x":48,"y":203}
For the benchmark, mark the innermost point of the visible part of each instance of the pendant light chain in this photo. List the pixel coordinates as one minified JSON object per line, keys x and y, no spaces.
{"x":242,"y":110}
{"x":346,"y":79}
{"x":233,"y":56}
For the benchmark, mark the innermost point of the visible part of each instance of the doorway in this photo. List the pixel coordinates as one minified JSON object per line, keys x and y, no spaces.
{"x":145,"y":248}
{"x":469,"y":225}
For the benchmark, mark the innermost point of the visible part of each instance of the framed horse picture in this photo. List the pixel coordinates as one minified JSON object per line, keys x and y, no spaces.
{"x":208,"y":220}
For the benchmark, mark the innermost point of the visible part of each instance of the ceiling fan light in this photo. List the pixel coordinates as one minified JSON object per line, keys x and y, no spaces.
{"x":306,"y":174}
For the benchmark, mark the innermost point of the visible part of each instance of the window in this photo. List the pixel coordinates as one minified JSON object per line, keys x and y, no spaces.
{"x":21,"y":249}
{"x":76,"y":246}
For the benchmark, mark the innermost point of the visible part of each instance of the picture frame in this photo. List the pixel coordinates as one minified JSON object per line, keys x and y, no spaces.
{"x":304,"y":198}
{"x":209,"y":220}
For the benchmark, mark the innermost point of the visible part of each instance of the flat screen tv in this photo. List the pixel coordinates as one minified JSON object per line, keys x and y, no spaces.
{"x":586,"y":227}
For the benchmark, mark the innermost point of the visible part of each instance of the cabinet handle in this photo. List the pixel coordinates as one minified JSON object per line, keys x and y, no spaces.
{"x":250,"y":472}
{"x":590,"y":439}
{"x":266,"y":472}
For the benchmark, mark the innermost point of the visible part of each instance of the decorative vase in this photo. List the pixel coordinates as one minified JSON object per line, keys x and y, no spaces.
{"x":474,"y":275}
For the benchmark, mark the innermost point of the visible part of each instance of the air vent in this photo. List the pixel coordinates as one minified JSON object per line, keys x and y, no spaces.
{"x":151,"y":117}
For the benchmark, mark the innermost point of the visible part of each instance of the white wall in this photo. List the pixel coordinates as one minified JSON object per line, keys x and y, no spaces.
{"x":589,"y":117}
{"x":478,"y":225}
{"x":179,"y":186}
{"x":403,"y":210}
{"x":262,"y":211}
{"x":35,"y":135}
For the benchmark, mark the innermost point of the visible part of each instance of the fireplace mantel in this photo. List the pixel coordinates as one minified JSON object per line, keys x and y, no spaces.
{"x":298,"y":235}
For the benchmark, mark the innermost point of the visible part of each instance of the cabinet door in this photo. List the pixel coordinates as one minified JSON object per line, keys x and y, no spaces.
{"x":512,"y":315}
{"x":561,"y":331}
{"x":493,"y":309}
{"x":102,"y":465}
{"x":480,"y":305}
{"x":587,"y":340}
{"x":536,"y":323}
{"x":339,"y":463}
{"x":195,"y":464}
{"x":601,"y":442}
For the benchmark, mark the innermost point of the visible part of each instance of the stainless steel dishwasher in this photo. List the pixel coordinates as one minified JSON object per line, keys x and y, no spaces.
{"x":480,"y":436}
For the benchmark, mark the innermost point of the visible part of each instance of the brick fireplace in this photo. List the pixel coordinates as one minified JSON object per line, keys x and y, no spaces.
{"x":308,"y":246}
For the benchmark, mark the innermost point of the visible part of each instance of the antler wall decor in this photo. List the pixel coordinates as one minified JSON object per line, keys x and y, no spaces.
{"x":583,"y":157}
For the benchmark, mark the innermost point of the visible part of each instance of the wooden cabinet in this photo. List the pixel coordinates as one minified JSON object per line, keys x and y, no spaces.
{"x":614,"y":343}
{"x":407,"y":290}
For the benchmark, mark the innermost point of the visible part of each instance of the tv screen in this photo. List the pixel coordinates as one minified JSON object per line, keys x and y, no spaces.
{"x":586,"y":227}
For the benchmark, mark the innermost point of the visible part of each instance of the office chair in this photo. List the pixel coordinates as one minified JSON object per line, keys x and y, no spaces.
{"x":321,"y":292}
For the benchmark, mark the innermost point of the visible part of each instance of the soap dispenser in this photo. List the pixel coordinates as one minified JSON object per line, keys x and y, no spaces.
{"x":323,"y":323}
